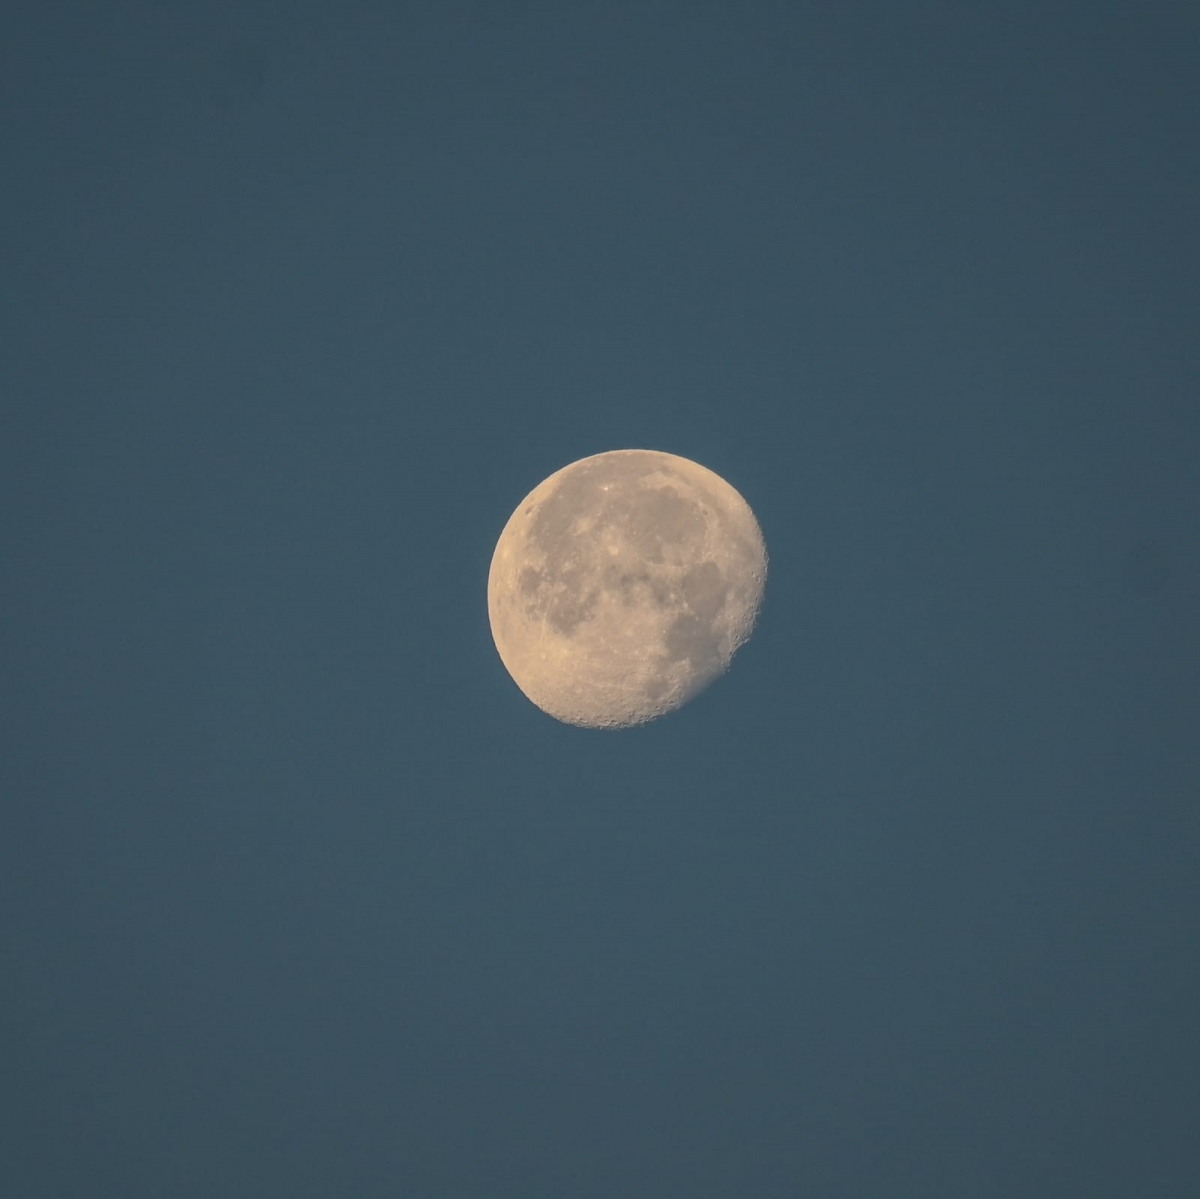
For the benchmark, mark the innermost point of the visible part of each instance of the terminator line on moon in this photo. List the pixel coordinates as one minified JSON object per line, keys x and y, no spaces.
{"x":623,"y":585}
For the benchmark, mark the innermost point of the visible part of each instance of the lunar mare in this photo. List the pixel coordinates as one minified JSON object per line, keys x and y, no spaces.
{"x":623,"y":585}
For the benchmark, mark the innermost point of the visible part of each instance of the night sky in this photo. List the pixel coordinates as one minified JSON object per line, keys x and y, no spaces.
{"x":301,"y":898}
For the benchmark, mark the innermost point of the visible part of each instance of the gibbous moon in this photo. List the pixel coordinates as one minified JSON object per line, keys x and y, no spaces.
{"x":623,"y":585}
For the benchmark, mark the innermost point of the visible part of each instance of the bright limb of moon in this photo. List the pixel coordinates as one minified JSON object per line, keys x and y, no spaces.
{"x":623,"y":585}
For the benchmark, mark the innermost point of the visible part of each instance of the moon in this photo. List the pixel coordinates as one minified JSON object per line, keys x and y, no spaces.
{"x":623,"y":585}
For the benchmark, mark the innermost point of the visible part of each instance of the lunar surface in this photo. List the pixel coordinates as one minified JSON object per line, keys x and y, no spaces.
{"x":623,"y":585}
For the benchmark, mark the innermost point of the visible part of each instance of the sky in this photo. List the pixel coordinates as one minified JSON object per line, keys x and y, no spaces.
{"x":301,"y":897}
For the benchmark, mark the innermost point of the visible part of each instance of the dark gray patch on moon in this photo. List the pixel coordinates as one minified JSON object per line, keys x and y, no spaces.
{"x":656,"y":518}
{"x":690,"y":639}
{"x":704,"y":591}
{"x":571,"y":603}
{"x":624,"y":584}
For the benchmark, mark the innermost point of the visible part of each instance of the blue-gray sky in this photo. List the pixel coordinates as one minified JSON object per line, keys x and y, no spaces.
{"x":302,"y":898}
